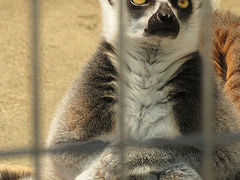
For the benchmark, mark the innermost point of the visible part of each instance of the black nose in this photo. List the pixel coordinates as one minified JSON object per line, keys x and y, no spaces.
{"x":165,"y":18}
{"x":163,"y":22}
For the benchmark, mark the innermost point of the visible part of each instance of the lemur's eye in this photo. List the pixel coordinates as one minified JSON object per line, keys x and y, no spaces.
{"x":183,"y":4}
{"x":139,"y":2}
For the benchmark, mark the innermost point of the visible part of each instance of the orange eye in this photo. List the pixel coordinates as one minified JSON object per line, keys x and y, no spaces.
{"x":138,"y":2}
{"x":183,"y":4}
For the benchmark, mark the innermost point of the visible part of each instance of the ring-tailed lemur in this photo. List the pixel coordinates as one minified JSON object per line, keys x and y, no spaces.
{"x":162,"y":94}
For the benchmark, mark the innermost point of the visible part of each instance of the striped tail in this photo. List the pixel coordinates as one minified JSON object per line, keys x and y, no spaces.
{"x":15,"y":173}
{"x":226,"y":58}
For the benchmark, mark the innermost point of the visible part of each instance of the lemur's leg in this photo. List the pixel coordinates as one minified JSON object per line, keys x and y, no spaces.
{"x":143,"y":163}
{"x":180,"y":172}
{"x":176,"y":172}
{"x":67,"y":165}
{"x":146,"y":163}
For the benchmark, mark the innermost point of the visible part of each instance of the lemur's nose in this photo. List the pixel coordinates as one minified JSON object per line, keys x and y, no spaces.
{"x":163,"y":22}
{"x":165,"y":14}
{"x":165,"y":18}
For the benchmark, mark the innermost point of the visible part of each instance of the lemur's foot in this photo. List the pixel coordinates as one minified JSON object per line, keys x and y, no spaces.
{"x":178,"y":172}
{"x":149,"y":170}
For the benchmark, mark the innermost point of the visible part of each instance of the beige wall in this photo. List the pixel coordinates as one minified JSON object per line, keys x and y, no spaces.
{"x":233,"y":5}
{"x":69,"y":32}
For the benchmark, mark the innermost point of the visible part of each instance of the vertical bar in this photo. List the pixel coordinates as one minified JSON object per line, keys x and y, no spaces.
{"x":207,"y":92}
{"x":35,"y":84}
{"x":121,"y":57}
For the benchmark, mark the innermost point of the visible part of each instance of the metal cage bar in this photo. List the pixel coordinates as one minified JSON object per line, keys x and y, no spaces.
{"x":35,"y":10}
{"x":207,"y":91}
{"x":121,"y":57}
{"x":221,"y":139}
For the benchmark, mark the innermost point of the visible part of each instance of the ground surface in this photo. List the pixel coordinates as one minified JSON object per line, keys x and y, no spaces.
{"x":70,"y":31}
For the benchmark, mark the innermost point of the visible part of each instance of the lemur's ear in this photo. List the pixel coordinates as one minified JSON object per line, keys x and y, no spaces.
{"x":110,"y":2}
{"x":105,"y":2}
{"x":109,"y":15}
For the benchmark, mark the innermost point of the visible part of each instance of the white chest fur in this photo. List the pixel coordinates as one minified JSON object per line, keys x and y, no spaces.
{"x":149,"y":113}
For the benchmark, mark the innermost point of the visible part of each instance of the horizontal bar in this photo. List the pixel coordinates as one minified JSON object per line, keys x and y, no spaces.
{"x":219,"y":139}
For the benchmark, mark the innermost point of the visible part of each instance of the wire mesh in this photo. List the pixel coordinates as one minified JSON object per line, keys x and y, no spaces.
{"x":207,"y":139}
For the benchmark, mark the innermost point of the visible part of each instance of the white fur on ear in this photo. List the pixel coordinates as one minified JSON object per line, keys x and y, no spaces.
{"x":110,"y":20}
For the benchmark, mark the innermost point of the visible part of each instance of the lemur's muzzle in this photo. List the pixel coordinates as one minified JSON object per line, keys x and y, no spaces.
{"x":163,"y":22}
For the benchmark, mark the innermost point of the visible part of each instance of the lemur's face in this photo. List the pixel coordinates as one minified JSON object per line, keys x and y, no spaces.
{"x":155,"y":21}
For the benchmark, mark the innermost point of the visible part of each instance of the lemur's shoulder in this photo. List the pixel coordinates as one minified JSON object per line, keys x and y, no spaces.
{"x":87,"y":110}
{"x":93,"y":92}
{"x":15,"y":173}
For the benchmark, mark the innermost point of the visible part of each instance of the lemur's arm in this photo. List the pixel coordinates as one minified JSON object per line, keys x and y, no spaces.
{"x":86,"y":114}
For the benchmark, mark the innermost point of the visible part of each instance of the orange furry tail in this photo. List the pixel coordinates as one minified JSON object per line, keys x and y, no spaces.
{"x":15,"y":173}
{"x":226,"y":52}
